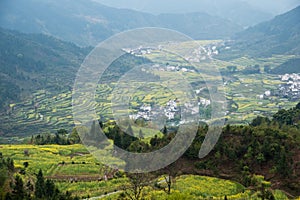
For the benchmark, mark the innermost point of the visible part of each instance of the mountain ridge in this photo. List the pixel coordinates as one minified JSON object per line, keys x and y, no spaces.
{"x":89,"y":23}
{"x":243,"y":13}
{"x":281,"y":35}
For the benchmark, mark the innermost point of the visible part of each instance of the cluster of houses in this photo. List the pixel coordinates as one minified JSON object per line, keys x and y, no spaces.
{"x":171,"y":109}
{"x":172,"y":68}
{"x":203,"y":53}
{"x":266,"y":94}
{"x":204,"y":102}
{"x":291,"y":87}
{"x":140,"y":51}
{"x":145,"y":112}
{"x":148,"y":113}
{"x":199,"y":54}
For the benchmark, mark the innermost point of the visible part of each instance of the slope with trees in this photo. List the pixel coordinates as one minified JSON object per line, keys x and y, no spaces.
{"x":278,"y":36}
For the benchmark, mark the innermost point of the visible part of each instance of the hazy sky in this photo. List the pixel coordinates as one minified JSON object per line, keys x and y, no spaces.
{"x":158,"y":6}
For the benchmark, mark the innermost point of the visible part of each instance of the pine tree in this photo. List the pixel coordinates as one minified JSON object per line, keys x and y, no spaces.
{"x":40,"y":185}
{"x":141,"y":134}
{"x":18,"y":192}
{"x":10,"y":164}
{"x":49,"y":189}
{"x":129,"y":130}
{"x":165,"y":130}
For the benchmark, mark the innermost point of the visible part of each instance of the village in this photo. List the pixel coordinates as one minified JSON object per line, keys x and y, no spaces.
{"x":199,"y":54}
{"x":171,"y":111}
{"x":148,"y":113}
{"x":291,"y":87}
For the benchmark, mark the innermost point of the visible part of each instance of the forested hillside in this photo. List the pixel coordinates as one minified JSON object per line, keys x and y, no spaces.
{"x":289,"y":67}
{"x":268,"y":147}
{"x":280,"y":35}
{"x":29,"y":62}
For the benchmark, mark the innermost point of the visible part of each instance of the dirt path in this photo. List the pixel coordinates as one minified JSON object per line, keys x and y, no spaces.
{"x":104,"y":195}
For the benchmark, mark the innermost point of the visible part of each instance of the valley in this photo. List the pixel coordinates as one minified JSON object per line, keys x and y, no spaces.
{"x":248,"y":94}
{"x":199,"y":105}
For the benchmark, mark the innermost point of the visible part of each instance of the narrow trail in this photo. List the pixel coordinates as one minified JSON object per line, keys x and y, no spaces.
{"x":104,"y":195}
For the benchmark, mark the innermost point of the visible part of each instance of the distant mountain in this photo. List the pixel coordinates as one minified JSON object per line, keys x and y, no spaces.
{"x":85,"y":22}
{"x":199,"y":25}
{"x":29,"y":62}
{"x":281,"y":35}
{"x":240,"y":12}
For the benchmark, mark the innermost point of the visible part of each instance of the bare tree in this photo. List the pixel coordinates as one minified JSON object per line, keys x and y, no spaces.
{"x":172,"y":171}
{"x":137,"y":182}
{"x":26,"y":152}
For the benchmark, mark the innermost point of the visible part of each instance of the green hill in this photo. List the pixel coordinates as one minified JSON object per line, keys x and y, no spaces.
{"x":29,"y":62}
{"x":291,"y":66}
{"x":281,"y":35}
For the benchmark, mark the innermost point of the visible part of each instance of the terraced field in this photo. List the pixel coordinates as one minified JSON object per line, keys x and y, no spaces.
{"x":74,"y":169}
{"x":47,"y":112}
{"x":189,"y":187}
{"x":246,"y":94}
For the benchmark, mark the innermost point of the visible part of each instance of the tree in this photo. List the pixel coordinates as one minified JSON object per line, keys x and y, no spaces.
{"x":101,"y":124}
{"x":40,"y":185}
{"x":258,"y":121}
{"x":298,"y":106}
{"x":62,"y":132}
{"x":232,"y":69}
{"x":138,"y":147}
{"x":172,"y":172}
{"x":93,"y":131}
{"x":74,"y":137}
{"x":29,"y":187}
{"x":263,"y":187}
{"x":137,"y":182}
{"x":57,"y":139}
{"x":165,"y":130}
{"x":282,"y":165}
{"x":10,"y":164}
{"x":18,"y":192}
{"x":25,"y":164}
{"x":260,"y":158}
{"x":26,"y":152}
{"x":141,"y":134}
{"x":49,"y":189}
{"x":129,"y":130}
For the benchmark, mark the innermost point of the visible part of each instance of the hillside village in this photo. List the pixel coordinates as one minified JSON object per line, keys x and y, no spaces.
{"x":171,"y":111}
{"x":289,"y":89}
{"x":149,"y":113}
{"x":199,"y":54}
